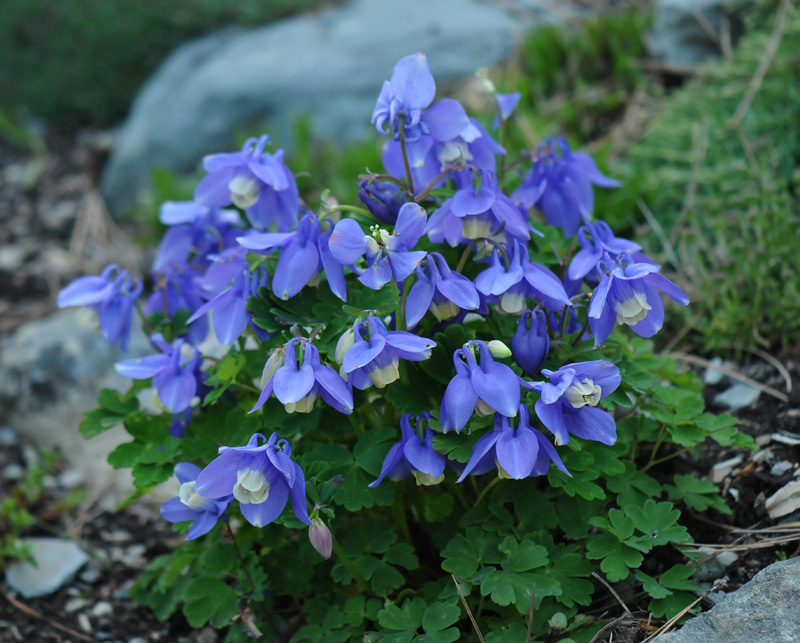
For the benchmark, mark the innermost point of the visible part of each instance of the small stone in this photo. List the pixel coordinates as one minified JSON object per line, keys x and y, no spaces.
{"x":138,"y":639}
{"x":734,"y":493}
{"x":85,"y":623}
{"x":784,"y":501}
{"x":715,"y":568}
{"x":123,"y":592}
{"x":58,"y":560}
{"x":712,"y":375}
{"x":722,"y":470}
{"x":7,"y":436}
{"x":13,"y":472}
{"x":70,"y":479}
{"x":763,"y":439}
{"x":92,"y":572}
{"x":103,"y":608}
{"x":765,"y":455}
{"x":779,"y":468}
{"x":133,"y":557}
{"x":738,"y":396}
{"x":75,"y":604}
{"x":786,"y":437}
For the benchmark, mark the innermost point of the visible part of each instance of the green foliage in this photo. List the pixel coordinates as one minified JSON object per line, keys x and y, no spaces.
{"x":82,"y":61}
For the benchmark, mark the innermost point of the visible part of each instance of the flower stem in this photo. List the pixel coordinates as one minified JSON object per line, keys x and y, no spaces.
{"x":486,"y":490}
{"x":402,"y":136}
{"x":267,"y":614}
{"x":337,"y":549}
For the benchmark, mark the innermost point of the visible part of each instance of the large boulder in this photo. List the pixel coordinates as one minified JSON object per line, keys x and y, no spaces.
{"x":762,"y":611}
{"x":329,"y":65}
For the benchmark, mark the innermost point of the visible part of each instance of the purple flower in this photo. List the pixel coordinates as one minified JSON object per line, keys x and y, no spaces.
{"x":568,"y":402}
{"x":441,"y":290}
{"x":404,"y":98}
{"x":595,"y":240}
{"x":530,"y":343}
{"x":485,"y":388}
{"x":414,"y":454}
{"x":230,"y":316}
{"x":514,"y":279}
{"x":262,"y":478}
{"x":373,"y":356}
{"x":517,"y":453}
{"x":304,"y":254}
{"x":190,"y":505}
{"x":383,"y":198}
{"x":428,"y":158}
{"x":111,"y":295}
{"x":195,"y":232}
{"x":388,"y":255}
{"x":174,"y":375}
{"x":560,"y":185}
{"x":628,"y":294}
{"x":506,"y":104}
{"x":297,"y":387}
{"x":177,"y":290}
{"x":478,"y":211}
{"x":253,"y":180}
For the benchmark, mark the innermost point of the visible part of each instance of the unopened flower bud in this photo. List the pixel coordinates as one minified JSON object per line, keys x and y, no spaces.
{"x":274,"y":362}
{"x":498,"y":349}
{"x":344,"y":344}
{"x":382,"y":199}
{"x":321,"y":538}
{"x":530,"y":345}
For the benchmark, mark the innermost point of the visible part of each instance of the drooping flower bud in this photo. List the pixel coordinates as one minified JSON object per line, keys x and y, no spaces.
{"x":344,"y":344}
{"x":498,"y":349}
{"x":382,"y":198}
{"x":320,"y":537}
{"x":530,"y":343}
{"x":274,"y":362}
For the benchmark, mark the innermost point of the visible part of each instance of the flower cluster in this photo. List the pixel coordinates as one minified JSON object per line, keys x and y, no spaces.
{"x":438,"y":244}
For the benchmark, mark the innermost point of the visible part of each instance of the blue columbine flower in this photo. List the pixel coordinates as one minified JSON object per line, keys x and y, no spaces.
{"x":530,"y":343}
{"x":429,"y":159}
{"x":230,"y":317}
{"x":174,"y":373}
{"x":111,"y":295}
{"x":253,"y":180}
{"x":560,"y":185}
{"x":262,"y":478}
{"x":374,"y":354}
{"x":414,"y":454}
{"x":568,"y":402}
{"x":383,"y":198}
{"x":297,"y":386}
{"x":517,"y":453}
{"x":304,"y":254}
{"x":506,"y":104}
{"x":195,"y":232}
{"x":388,"y":255}
{"x":515,"y":278}
{"x":478,"y":211}
{"x":190,"y":505}
{"x":179,"y":289}
{"x":403,"y":101}
{"x":442,"y":291}
{"x":595,"y":240}
{"x":485,"y":388}
{"x":628,"y":294}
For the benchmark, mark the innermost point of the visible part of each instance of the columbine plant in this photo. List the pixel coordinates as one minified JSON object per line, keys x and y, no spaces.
{"x":452,"y":423}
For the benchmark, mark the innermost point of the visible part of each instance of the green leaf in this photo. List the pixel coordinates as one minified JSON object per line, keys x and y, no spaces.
{"x":506,"y":588}
{"x":617,"y":558}
{"x":230,"y":366}
{"x":369,"y":455}
{"x":402,"y":554}
{"x":570,"y":569}
{"x":126,"y":454}
{"x":440,"y":365}
{"x":386,"y":578}
{"x":698,"y":494}
{"x":657,"y":521}
{"x":651,"y":585}
{"x":407,"y":617}
{"x":460,"y":557}
{"x":440,"y":616}
{"x":209,"y":599}
{"x":114,"y":407}
{"x":445,"y":636}
{"x":524,"y":556}
{"x":117,"y":403}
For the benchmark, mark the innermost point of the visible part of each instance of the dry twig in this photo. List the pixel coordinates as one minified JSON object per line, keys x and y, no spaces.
{"x":33,"y":613}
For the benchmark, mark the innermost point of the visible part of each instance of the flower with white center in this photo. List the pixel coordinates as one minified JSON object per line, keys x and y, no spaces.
{"x":190,"y":505}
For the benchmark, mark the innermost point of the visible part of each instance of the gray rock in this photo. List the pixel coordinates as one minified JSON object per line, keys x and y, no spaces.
{"x":779,"y":468}
{"x":678,"y":37}
{"x":762,"y":611}
{"x":737,"y":396}
{"x":715,"y":568}
{"x":328,"y":64}
{"x":51,"y":371}
{"x":57,"y":561}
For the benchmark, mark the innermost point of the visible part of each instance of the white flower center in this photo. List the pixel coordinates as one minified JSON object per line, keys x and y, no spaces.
{"x":251,"y":487}
{"x":512,"y":303}
{"x":426,"y":479}
{"x":453,"y":152}
{"x":189,"y":496}
{"x":244,"y":191}
{"x":304,"y":405}
{"x":444,"y":310}
{"x":382,"y":376}
{"x":633,"y":310}
{"x":474,"y":227}
{"x":482,"y":409}
{"x":583,"y":393}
